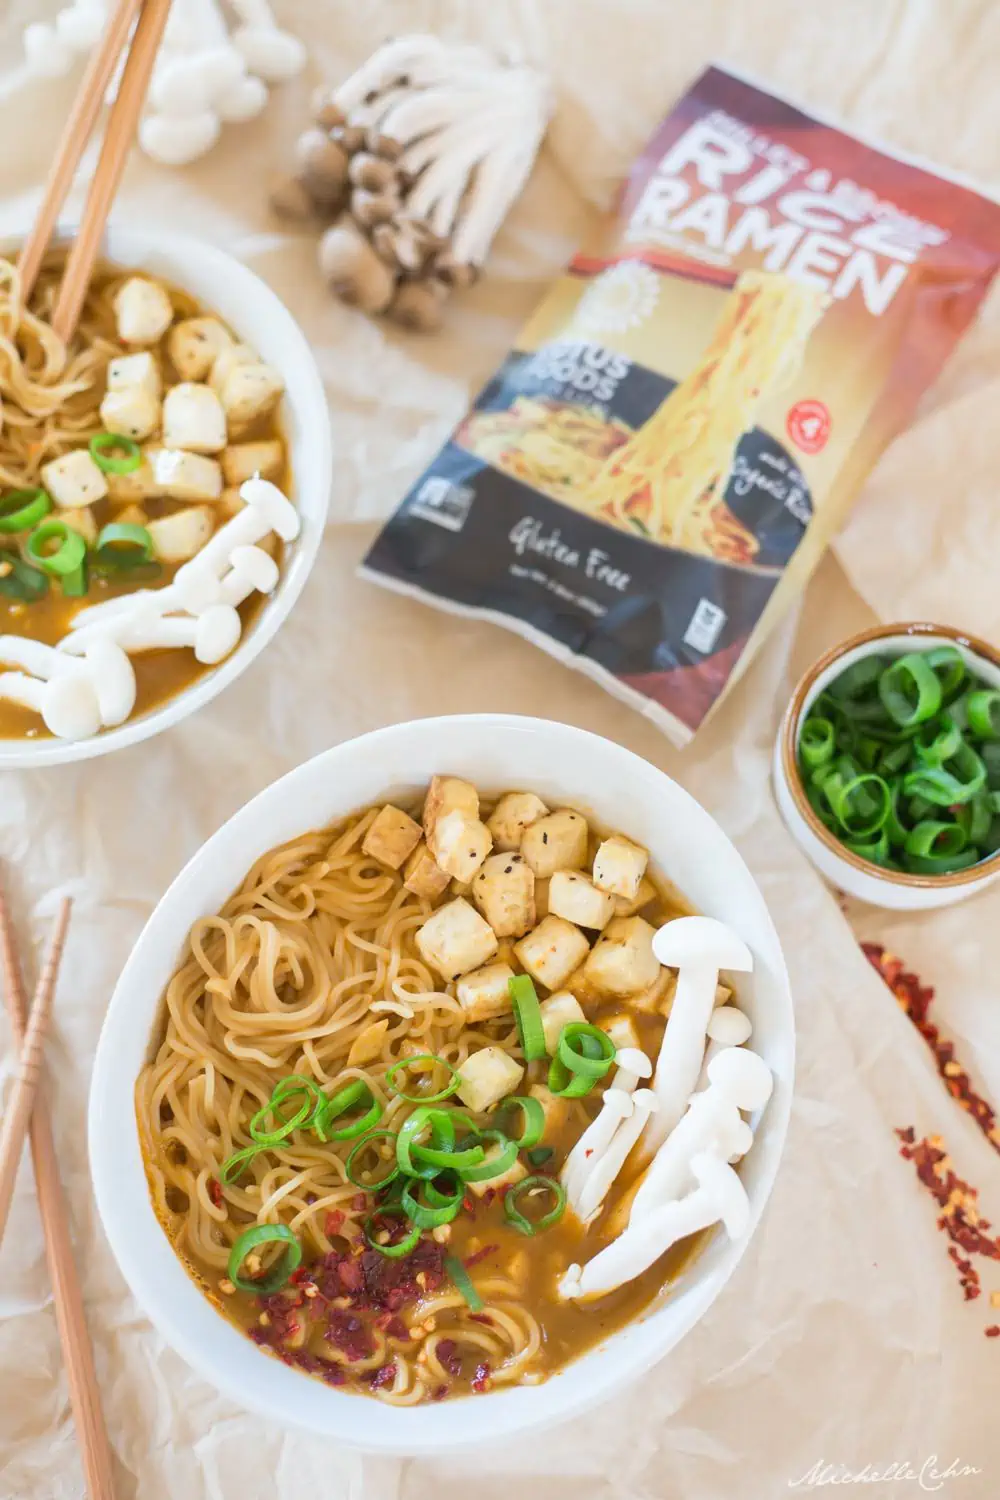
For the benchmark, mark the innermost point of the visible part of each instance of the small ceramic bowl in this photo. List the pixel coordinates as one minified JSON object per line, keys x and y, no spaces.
{"x":895,"y":890}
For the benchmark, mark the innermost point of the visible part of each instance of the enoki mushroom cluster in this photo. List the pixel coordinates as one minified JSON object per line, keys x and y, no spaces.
{"x":413,"y":163}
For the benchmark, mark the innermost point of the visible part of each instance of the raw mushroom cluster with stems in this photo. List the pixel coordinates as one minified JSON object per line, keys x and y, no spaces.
{"x":206,"y":74}
{"x":413,"y":163}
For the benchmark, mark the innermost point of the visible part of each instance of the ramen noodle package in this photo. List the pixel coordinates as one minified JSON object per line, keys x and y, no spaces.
{"x":656,"y":467}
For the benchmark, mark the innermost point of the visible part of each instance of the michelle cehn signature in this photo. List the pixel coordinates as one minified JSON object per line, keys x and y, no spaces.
{"x":931,"y":1473}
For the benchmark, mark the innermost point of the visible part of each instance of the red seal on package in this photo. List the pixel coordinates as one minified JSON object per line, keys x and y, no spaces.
{"x":808,"y":425}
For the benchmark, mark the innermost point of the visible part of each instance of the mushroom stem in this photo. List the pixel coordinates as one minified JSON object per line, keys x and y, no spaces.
{"x":497,"y":183}
{"x":601,"y":1178}
{"x":396,"y":58}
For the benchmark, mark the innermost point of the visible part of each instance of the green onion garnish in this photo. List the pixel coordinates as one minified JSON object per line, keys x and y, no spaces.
{"x":264,"y":1234}
{"x":463,"y":1282}
{"x":420,"y":1158}
{"x":532,"y":1119}
{"x":403,"y":1246}
{"x":423,"y":1057}
{"x":585,"y":1049}
{"x":354,"y":1093}
{"x":74,"y":585}
{"x":527,"y":1188}
{"x":19,"y":580}
{"x":502,"y":1159}
{"x":124,"y":546}
{"x":22,"y":509}
{"x":352,"y":1164}
{"x":232,"y":1168}
{"x":65,"y":557}
{"x":115,"y":454}
{"x":270,"y":1125}
{"x":567,"y":1085}
{"x":539,"y":1155}
{"x":898,"y":760}
{"x":428,"y":1215}
{"x":528,"y":1016}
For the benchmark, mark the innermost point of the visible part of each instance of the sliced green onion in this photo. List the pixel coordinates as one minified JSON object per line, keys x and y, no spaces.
{"x":938,"y":740}
{"x":404,"y":1246}
{"x":462,"y":1161}
{"x":74,"y":585}
{"x":434,"y":1194}
{"x":528,"y":1017}
{"x":352,"y":1164}
{"x":974,"y":817}
{"x":984,"y":713}
{"x":932,"y":838}
{"x":941,"y":864}
{"x":426,"y":1216}
{"x":532,"y":1119}
{"x":525,"y":1188}
{"x":948,"y":666}
{"x":958,"y":780}
{"x":860,"y":677}
{"x":567,"y":1085}
{"x":539,"y":1155}
{"x":19,"y":580}
{"x":816,"y":742}
{"x":67,"y":556}
{"x":431,"y":1159}
{"x":264,"y":1234}
{"x":874,"y":849}
{"x":463,"y":1282}
{"x":585,"y":1049}
{"x":861,"y":805}
{"x":115,"y":454}
{"x":266,"y":1134}
{"x":502,"y":1159}
{"x":408,"y":1062}
{"x":910,"y":690}
{"x":124,"y":546}
{"x":354,"y":1093}
{"x":232,"y":1167}
{"x":20,"y":510}
{"x":990,"y":755}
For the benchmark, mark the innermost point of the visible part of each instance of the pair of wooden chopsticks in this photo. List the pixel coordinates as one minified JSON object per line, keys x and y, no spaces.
{"x":26,"y":1104}
{"x":148,"y":18}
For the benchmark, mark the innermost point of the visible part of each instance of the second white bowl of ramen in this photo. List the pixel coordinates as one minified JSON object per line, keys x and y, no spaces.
{"x":496,"y":752}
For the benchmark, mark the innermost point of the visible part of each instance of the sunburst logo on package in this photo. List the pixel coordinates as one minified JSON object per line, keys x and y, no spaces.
{"x":656,"y":467}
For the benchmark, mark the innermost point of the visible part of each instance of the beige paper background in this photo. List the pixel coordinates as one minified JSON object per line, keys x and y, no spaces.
{"x":843,"y":1336}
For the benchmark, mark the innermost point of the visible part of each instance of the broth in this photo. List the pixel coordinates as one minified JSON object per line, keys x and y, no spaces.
{"x":396,"y":1328}
{"x":160,"y":674}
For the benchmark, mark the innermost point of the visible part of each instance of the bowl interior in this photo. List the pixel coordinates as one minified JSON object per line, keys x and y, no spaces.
{"x":891,"y":640}
{"x":559,"y":762}
{"x":256,"y":313}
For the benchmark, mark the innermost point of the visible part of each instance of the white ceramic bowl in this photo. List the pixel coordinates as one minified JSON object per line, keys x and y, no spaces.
{"x":892,"y":889}
{"x":495,"y":751}
{"x":259,"y":317}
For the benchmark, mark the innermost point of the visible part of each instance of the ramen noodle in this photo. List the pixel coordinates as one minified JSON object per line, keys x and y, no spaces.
{"x":680,"y":427}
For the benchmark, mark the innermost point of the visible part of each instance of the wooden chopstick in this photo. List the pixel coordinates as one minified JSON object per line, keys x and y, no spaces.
{"x":84,"y":1394}
{"x":77,"y":132}
{"x":29,"y":1067}
{"x":118,"y":137}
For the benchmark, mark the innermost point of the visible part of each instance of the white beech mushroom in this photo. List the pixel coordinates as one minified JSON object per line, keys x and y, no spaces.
{"x":354,"y":269}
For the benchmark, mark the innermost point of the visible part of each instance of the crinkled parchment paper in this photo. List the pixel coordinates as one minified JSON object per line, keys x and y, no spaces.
{"x":843,"y":1337}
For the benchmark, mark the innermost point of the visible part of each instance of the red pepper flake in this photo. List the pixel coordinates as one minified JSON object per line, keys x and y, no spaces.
{"x":474,"y":1260}
{"x":383,"y":1377}
{"x":215,"y":1191}
{"x":449,"y":1357}
{"x":482,"y":1382}
{"x":469,"y":1206}
{"x":481,"y":1318}
{"x":439,"y":1392}
{"x":359,"y":1203}
{"x":993,"y":1332}
{"x":333,"y":1223}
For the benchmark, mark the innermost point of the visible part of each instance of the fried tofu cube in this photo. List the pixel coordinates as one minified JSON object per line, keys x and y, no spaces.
{"x":487,"y":1077}
{"x":485,"y":993}
{"x":556,"y":842}
{"x":423,"y":875}
{"x":626,"y":907}
{"x":81,"y":520}
{"x":623,"y":962}
{"x":230,"y":359}
{"x":552,"y":951}
{"x":143,"y":311}
{"x":392,"y":837}
{"x":178,"y":475}
{"x":177,"y":537}
{"x":559,"y":1010}
{"x":242,"y":461}
{"x":574,"y":896}
{"x":460,"y":845}
{"x":447,"y":794}
{"x":193,"y":419}
{"x":513,"y":1174}
{"x":135,"y":372}
{"x":249,"y":391}
{"x":504,"y":891}
{"x":512,"y":815}
{"x":455,"y":939}
{"x":132,"y":488}
{"x":195,"y":344}
{"x":658,"y":997}
{"x":622,"y":1031}
{"x":74,"y":479}
{"x":132,"y":413}
{"x":619,"y":866}
{"x":556,"y":1109}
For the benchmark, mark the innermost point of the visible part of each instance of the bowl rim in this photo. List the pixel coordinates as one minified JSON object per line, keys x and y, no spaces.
{"x":792,"y":725}
{"x":122,"y":243}
{"x":649,"y":1339}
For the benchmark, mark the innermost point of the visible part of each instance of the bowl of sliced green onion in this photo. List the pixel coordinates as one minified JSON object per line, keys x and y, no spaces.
{"x":887,"y":766}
